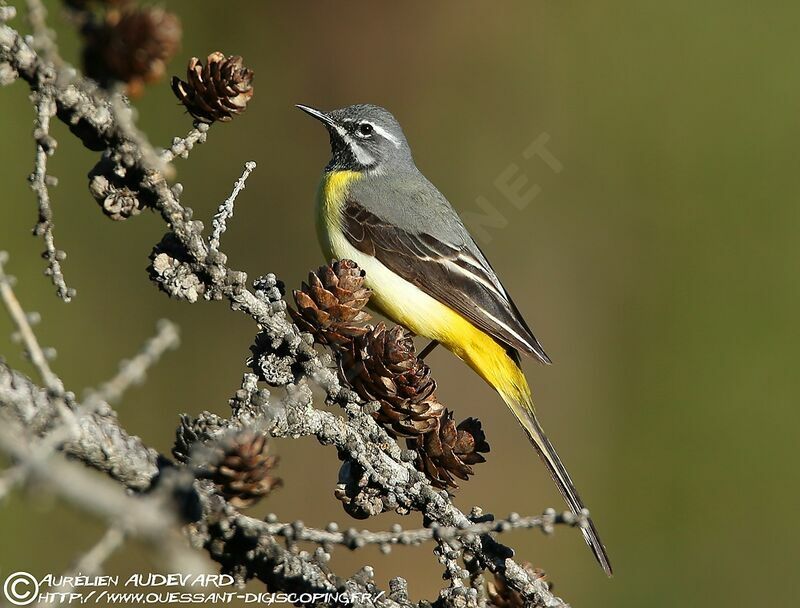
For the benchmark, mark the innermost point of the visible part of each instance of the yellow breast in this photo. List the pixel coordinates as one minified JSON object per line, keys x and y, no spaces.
{"x":332,"y":194}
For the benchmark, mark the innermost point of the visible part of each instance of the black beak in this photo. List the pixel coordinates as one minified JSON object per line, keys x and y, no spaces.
{"x":320,"y":116}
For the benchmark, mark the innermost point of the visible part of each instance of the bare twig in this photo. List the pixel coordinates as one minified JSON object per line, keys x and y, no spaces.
{"x":44,"y":38}
{"x":89,"y":564}
{"x":124,"y":117}
{"x":181,"y":146}
{"x":133,"y":371}
{"x":92,"y":561}
{"x":11,"y":477}
{"x":29,"y":341}
{"x":7,"y":13}
{"x":45,"y":146}
{"x":70,"y":425}
{"x":225,"y":210}
{"x":355,"y":539}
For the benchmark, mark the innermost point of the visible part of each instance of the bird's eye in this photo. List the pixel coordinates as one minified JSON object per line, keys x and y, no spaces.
{"x":365,"y":129}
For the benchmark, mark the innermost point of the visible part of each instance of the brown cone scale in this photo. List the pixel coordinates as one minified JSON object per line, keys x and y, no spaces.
{"x":450,"y":451}
{"x":382,"y":365}
{"x":242,"y":468}
{"x":132,"y":45}
{"x":216,"y":91}
{"x":330,"y":306}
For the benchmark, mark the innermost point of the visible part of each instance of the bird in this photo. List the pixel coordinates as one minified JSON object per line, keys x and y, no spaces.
{"x":426,"y":272}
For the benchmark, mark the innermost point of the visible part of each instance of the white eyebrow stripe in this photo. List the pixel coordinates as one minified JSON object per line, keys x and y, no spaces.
{"x":384,"y":133}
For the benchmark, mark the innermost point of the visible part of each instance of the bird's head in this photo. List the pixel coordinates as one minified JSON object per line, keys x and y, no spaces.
{"x":363,"y":137}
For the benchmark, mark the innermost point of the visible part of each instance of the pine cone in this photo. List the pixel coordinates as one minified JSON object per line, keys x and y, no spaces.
{"x":503,"y":596}
{"x":217,"y":91}
{"x":330,"y":306}
{"x":131,"y":46}
{"x":192,"y":431}
{"x":382,"y":365}
{"x":240,"y":468}
{"x":450,"y":451}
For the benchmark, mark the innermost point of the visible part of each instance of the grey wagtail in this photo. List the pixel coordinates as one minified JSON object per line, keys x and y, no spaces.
{"x":425,"y":270}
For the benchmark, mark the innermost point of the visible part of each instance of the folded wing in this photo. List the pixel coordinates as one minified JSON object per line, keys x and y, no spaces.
{"x":450,"y":273}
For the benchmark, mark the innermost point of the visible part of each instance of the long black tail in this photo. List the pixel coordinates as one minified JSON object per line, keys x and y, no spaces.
{"x":527,"y":418}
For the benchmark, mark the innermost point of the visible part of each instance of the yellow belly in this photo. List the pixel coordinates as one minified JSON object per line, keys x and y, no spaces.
{"x":406,"y":304}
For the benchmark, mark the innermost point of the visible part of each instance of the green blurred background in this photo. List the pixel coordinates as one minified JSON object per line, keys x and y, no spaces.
{"x":658,"y":269}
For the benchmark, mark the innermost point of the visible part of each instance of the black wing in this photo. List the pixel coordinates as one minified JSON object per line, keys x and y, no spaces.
{"x":450,"y":274}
